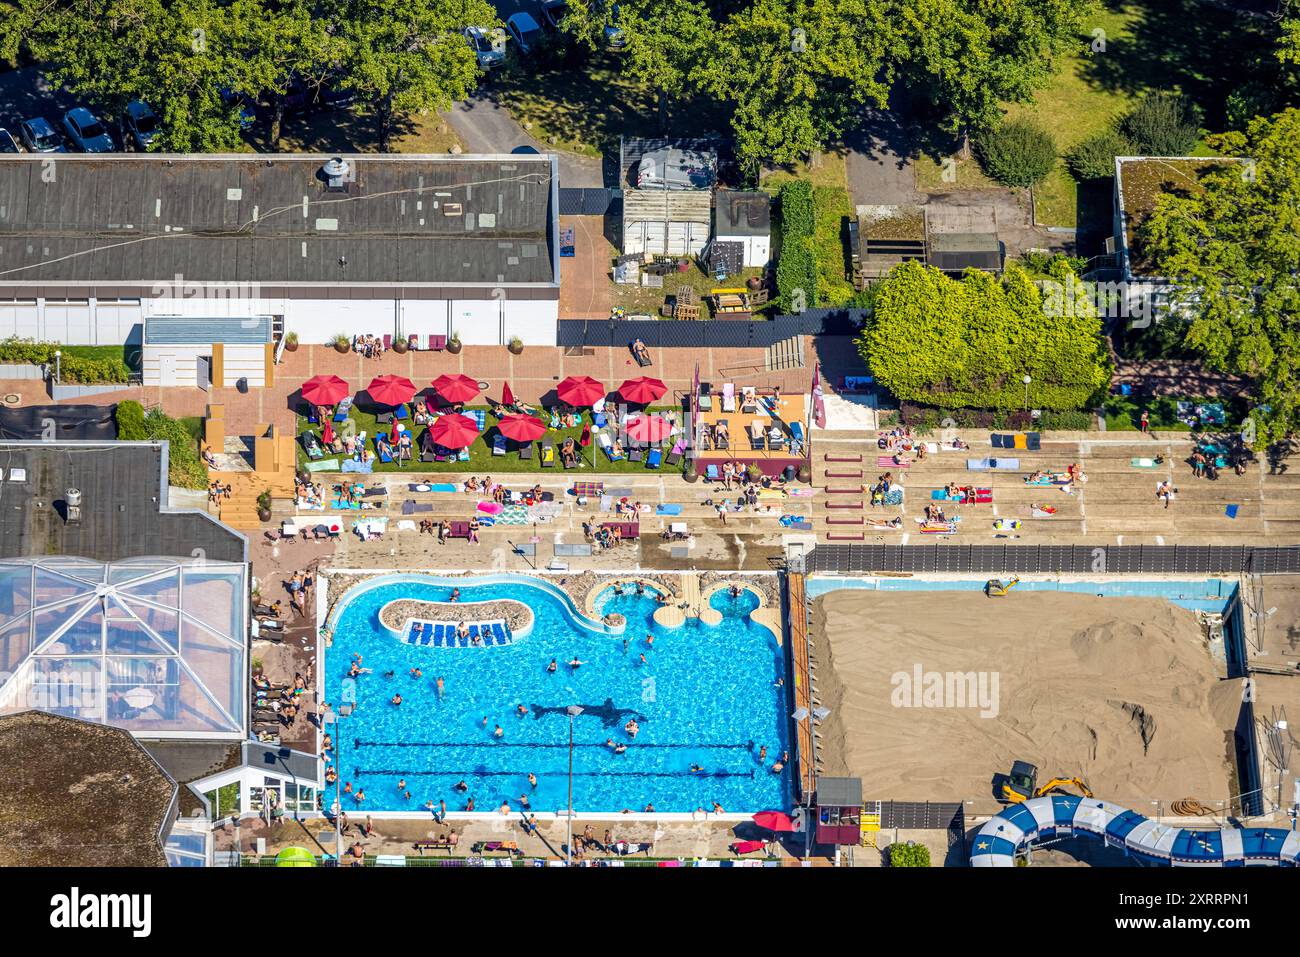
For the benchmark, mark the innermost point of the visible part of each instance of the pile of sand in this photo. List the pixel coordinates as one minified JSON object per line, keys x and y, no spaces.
{"x":1121,"y":691}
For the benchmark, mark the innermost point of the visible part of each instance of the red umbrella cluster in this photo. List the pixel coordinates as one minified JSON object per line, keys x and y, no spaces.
{"x":649,"y":428}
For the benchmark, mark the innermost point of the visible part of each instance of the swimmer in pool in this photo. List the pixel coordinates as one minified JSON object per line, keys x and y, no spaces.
{"x":550,"y":669}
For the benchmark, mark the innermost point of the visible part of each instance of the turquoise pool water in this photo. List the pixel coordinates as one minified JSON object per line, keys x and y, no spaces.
{"x":705,"y":696}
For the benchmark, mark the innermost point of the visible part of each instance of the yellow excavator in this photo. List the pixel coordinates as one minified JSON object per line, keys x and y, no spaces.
{"x":996,"y":588}
{"x":1022,"y":784}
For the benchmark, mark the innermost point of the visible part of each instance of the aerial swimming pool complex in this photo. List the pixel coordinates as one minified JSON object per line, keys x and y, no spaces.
{"x":707,"y":700}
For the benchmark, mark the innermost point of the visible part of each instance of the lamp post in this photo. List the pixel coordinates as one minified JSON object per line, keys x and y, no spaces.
{"x":1028,"y":379}
{"x":574,"y":710}
{"x":58,"y":367}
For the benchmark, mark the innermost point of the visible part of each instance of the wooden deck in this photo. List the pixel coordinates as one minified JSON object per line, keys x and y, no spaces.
{"x":804,"y":756}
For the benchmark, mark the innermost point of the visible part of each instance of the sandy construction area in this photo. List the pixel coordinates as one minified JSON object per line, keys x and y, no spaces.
{"x":1076,"y":682}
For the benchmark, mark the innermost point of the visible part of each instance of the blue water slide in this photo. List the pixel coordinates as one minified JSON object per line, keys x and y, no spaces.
{"x":1066,"y":815}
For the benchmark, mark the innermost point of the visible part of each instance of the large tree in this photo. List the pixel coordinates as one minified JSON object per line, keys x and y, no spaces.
{"x":666,"y":41}
{"x":1234,"y":250}
{"x":971,"y":56}
{"x":970,"y":342}
{"x":796,"y":73}
{"x":408,"y":56}
{"x":289,"y":43}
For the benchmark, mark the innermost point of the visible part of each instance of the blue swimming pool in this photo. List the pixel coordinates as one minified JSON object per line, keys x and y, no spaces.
{"x":706,"y":696}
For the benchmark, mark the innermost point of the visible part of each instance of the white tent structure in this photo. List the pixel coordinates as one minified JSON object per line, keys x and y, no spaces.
{"x":156,"y":646}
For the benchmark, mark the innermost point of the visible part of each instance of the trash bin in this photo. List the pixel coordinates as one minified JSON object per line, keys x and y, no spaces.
{"x":789,"y":473}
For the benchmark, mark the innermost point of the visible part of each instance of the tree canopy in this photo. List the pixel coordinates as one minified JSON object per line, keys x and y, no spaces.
{"x":969,"y":342}
{"x":1233,"y":248}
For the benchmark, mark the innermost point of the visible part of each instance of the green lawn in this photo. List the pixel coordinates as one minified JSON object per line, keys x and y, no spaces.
{"x":481,"y":460}
{"x":1202,"y":50}
{"x":1124,"y":413}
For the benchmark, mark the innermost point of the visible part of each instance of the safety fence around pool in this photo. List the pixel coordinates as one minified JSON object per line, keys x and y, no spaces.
{"x":1056,"y":559}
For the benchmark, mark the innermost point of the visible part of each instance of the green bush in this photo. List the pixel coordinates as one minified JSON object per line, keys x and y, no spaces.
{"x":1094,"y":158}
{"x":185,"y":467}
{"x":1163,"y":124}
{"x":969,"y":343}
{"x":832,"y":208}
{"x":79,"y":364}
{"x":796,"y":270}
{"x":1017,"y":153}
{"x":909,"y":855}
{"x":1068,"y":420}
{"x":130,"y":421}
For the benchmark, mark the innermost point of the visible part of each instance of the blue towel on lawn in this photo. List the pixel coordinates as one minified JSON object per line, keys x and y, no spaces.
{"x":479,"y":416}
{"x":668,"y":510}
{"x":352,"y":465}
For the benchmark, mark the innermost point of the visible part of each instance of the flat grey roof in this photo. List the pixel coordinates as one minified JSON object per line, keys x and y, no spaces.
{"x":743,"y":213}
{"x":188,"y":331}
{"x":123,"y":505}
{"x":148,"y":218}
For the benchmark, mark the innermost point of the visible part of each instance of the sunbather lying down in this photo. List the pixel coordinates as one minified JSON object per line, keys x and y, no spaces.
{"x":883,"y":525}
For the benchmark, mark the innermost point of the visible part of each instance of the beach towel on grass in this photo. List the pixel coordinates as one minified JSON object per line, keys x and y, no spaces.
{"x":323,"y":465}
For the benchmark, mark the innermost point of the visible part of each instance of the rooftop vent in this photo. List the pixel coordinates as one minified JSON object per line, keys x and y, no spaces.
{"x":337,"y":173}
{"x":72,"y":499}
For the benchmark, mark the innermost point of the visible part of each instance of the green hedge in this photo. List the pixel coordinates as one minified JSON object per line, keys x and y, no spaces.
{"x":78,"y":364}
{"x":909,"y":855}
{"x":797,"y":267}
{"x":185,"y":468}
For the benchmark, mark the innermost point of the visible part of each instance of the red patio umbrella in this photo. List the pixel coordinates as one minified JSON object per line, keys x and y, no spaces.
{"x":649,"y":428}
{"x":774,"y":821}
{"x":324,"y":390}
{"x":580,"y":390}
{"x":456,"y":387}
{"x":391,"y":389}
{"x":454,"y":431}
{"x":521,"y":428}
{"x":327,"y":434}
{"x":507,"y":397}
{"x":642,"y":390}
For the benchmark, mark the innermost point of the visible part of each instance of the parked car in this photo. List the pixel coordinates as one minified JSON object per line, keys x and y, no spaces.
{"x":553,"y":12}
{"x":86,"y":132}
{"x":525,"y":31}
{"x":40,"y":137}
{"x":7,"y":142}
{"x":141,"y":125}
{"x":247,"y":113}
{"x":489,"y":47}
{"x":615,"y":38}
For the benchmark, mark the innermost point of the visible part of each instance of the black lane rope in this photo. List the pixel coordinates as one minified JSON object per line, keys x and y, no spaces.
{"x":398,"y":772}
{"x":631,"y":745}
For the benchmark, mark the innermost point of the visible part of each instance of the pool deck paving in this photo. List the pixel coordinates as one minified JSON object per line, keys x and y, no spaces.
{"x":707,"y":836}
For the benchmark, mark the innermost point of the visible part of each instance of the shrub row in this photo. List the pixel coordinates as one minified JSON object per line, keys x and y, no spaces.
{"x":796,"y":270}
{"x":72,"y":367}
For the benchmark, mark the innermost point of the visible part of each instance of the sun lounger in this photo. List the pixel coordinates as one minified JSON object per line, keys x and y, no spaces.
{"x":654,"y":458}
{"x":498,"y":444}
{"x":728,"y":397}
{"x":548,"y":454}
{"x":608,"y":446}
{"x":525,"y":451}
{"x":635,"y":455}
{"x":711,"y":473}
{"x":344,"y":409}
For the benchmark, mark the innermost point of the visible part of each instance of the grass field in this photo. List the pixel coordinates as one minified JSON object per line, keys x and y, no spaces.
{"x":1128,"y":47}
{"x":481,"y":460}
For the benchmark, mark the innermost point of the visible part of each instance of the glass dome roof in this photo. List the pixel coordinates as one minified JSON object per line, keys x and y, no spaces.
{"x":152,"y":645}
